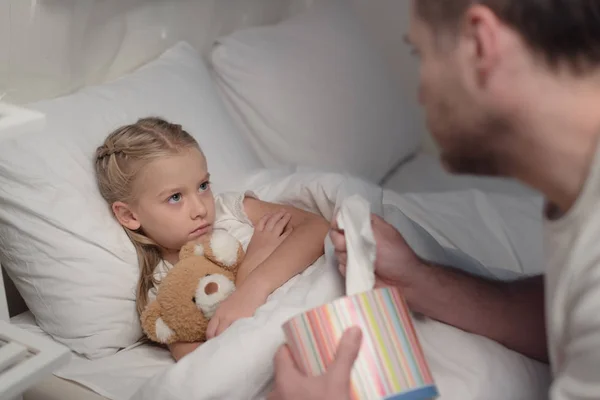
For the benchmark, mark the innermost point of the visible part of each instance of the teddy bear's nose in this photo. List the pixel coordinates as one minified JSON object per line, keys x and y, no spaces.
{"x":211,"y":287}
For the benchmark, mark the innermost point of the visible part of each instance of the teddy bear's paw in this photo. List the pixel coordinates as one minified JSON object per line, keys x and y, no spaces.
{"x":224,"y":249}
{"x":163,"y":332}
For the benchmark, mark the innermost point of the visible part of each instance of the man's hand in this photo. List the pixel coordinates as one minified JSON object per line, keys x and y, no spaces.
{"x":292,"y":384}
{"x":510,"y":313}
{"x":395,"y":260}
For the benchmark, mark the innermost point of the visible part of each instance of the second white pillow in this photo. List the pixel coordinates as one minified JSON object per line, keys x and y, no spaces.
{"x":314,"y":91}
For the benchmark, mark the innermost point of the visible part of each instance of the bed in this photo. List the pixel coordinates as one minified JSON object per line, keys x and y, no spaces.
{"x":309,"y":100}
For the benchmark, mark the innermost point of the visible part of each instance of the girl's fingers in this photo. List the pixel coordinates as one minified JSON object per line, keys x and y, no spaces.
{"x":282,"y":224}
{"x":270,"y":224}
{"x":287,"y":232}
{"x":263,"y":221}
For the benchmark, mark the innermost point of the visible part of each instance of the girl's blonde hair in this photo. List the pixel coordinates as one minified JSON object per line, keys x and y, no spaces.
{"x":118,"y":162}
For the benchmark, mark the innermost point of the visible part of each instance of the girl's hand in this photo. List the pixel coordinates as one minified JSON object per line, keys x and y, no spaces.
{"x":242,"y":303}
{"x":181,"y":349}
{"x":271,"y":230}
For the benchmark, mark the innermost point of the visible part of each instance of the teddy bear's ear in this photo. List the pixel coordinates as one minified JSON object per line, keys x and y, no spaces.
{"x":192,"y":248}
{"x":224,"y":250}
{"x":154,"y":326}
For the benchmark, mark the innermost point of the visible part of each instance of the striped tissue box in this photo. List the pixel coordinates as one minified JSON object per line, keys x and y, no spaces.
{"x":390,"y":364}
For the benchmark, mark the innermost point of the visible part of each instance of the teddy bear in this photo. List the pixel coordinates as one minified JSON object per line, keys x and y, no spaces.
{"x":191,"y":291}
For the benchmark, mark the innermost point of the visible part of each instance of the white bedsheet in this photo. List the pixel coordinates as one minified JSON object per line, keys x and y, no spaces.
{"x":500,"y":233}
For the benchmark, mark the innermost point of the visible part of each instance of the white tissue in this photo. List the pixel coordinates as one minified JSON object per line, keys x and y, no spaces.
{"x":354,"y":217}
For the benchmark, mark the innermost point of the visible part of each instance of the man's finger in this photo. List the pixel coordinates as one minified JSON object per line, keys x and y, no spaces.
{"x":376,"y":219}
{"x":339,"y":240}
{"x":286,"y":370}
{"x":274,"y":395}
{"x":342,"y":257}
{"x":286,"y":373}
{"x":346,"y":354}
{"x":334,"y":223}
{"x":342,"y":269}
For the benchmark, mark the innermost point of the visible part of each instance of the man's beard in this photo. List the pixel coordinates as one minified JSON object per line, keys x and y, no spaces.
{"x":476,"y":150}
{"x":465,"y":163}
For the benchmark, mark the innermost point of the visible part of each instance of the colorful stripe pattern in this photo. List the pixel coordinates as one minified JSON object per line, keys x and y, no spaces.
{"x":391,"y":361}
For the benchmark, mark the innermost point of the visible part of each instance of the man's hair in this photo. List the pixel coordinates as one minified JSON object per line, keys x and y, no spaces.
{"x":562,"y":31}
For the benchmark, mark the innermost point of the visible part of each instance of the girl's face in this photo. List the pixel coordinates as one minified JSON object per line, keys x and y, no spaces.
{"x":173,"y":200}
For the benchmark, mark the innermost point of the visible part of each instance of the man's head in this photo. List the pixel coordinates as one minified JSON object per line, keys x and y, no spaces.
{"x":482,"y":63}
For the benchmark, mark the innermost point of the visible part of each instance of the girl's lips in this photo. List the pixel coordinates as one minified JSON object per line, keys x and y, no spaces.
{"x":200,"y":231}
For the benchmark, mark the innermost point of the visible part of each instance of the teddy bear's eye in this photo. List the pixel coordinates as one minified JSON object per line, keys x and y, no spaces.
{"x":194,"y":299}
{"x":207,"y":275}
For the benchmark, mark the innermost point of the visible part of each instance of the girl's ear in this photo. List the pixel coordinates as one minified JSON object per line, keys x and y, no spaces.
{"x":125,"y":216}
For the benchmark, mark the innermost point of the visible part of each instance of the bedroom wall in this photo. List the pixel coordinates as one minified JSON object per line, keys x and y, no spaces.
{"x":388,"y":21}
{"x":53,"y":47}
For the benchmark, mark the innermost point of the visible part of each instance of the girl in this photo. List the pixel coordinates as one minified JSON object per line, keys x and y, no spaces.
{"x":155,"y":178}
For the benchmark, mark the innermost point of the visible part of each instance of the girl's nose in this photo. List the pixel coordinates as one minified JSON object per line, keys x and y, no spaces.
{"x":198,"y":209}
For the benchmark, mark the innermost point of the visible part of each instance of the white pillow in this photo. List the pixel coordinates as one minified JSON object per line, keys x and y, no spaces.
{"x":313,"y":90}
{"x":70,"y":260}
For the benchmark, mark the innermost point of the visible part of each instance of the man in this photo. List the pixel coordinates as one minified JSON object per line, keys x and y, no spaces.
{"x":512,"y":88}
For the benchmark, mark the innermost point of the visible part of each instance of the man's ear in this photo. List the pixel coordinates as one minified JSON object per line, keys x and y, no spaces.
{"x":483,"y":30}
{"x":125,"y":215}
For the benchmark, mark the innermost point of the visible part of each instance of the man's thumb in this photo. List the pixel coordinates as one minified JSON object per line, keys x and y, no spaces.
{"x":347,"y":352}
{"x":376,"y":219}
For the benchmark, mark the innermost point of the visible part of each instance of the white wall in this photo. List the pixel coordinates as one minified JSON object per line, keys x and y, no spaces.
{"x":388,"y":21}
{"x":52,"y":47}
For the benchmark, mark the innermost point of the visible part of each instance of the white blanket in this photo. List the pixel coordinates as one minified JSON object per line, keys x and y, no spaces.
{"x":238,"y":363}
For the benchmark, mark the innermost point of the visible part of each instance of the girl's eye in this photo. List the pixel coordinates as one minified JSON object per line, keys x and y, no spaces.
{"x":176,"y":198}
{"x":204,"y":186}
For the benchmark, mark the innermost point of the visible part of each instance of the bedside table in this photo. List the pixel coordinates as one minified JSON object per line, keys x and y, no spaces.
{"x":26,"y":359}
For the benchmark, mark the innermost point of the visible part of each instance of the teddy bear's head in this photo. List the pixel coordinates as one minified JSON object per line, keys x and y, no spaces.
{"x":191,"y":291}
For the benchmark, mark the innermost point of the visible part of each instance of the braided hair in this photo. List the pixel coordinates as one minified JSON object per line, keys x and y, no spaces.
{"x":118,"y":162}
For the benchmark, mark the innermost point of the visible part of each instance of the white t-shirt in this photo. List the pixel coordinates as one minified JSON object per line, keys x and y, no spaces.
{"x":229,"y":216}
{"x":572,"y":246}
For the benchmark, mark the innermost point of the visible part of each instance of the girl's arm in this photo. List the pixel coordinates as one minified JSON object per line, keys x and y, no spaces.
{"x":298,"y":251}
